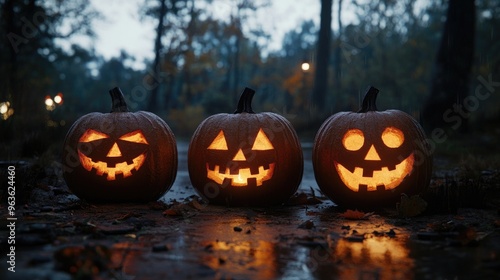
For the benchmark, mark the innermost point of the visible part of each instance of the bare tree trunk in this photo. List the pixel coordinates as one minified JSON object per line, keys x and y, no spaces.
{"x":322,"y":55}
{"x":153,"y":99}
{"x":450,"y":83}
{"x":12,"y":82}
{"x":337,"y":53}
{"x":189,"y":56}
{"x":236,"y":75}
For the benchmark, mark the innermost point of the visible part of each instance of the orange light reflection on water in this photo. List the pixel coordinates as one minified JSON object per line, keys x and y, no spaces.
{"x":382,"y":257}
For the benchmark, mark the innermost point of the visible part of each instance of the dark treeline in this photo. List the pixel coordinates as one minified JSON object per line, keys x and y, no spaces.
{"x":201,"y":64}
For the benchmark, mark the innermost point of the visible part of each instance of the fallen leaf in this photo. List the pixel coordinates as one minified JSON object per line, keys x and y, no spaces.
{"x":303,"y":199}
{"x":196,"y":204}
{"x":355,"y":215}
{"x":172,"y":212}
{"x":85,"y":261}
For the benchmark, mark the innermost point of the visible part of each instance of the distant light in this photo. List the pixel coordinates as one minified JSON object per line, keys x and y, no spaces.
{"x":49,"y":102}
{"x":305,"y":66}
{"x":58,"y":99}
{"x":5,"y":110}
{"x":4,"y":107}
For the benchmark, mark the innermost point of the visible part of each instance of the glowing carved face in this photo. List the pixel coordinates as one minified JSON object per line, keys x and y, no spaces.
{"x":239,"y":177}
{"x":114,"y":162}
{"x":385,"y":177}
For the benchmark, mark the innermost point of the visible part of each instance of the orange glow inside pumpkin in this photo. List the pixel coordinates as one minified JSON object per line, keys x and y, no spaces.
{"x":353,"y":139}
{"x":392,"y":137}
{"x":240,"y":179}
{"x":261,"y":143}
{"x":120,"y":168}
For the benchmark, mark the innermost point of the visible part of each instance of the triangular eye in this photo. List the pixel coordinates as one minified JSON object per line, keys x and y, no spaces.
{"x":262,"y":142}
{"x":134,"y":136}
{"x":219,"y":142}
{"x":92,"y":135}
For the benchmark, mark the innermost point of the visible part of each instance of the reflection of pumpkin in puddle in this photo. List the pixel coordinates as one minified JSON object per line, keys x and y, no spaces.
{"x":245,"y":158}
{"x":119,"y":156}
{"x":369,"y":158}
{"x":384,"y":257}
{"x":242,"y":260}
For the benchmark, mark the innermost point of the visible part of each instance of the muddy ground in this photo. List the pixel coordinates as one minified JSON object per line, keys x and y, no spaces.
{"x":179,"y":237}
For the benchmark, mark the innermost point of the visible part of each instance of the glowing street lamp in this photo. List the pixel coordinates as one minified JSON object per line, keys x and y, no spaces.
{"x":51,"y":103}
{"x":305,"y":66}
{"x":5,"y":110}
{"x":4,"y":107}
{"x":58,"y":99}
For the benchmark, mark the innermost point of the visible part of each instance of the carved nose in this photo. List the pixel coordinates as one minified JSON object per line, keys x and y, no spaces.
{"x":239,"y":156}
{"x":114,"y":151}
{"x":372,"y":154}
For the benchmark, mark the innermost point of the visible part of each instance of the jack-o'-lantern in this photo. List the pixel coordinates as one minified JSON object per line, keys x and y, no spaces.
{"x":119,"y":156}
{"x":369,"y":158}
{"x":245,"y":158}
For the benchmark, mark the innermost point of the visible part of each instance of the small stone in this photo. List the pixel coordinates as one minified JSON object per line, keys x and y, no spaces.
{"x":307,"y":224}
{"x":237,"y":229}
{"x":355,"y":238}
{"x":391,"y":233}
{"x":161,"y":248}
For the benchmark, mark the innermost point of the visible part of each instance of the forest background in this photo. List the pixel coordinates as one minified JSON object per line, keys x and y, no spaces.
{"x":428,"y":58}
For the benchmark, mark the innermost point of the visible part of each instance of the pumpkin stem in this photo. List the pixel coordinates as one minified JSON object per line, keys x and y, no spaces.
{"x":369,"y":100}
{"x":245,"y":102}
{"x":118,"y":101}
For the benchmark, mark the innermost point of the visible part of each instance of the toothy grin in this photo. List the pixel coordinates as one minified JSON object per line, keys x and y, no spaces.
{"x":385,"y":178}
{"x":241,"y":178}
{"x":120,"y":168}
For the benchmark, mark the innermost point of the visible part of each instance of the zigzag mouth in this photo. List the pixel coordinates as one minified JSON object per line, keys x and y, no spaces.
{"x":101,"y":167}
{"x":240,"y":179}
{"x":384,"y":179}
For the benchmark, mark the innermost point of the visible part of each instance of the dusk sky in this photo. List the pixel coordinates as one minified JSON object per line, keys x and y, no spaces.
{"x":123,"y":29}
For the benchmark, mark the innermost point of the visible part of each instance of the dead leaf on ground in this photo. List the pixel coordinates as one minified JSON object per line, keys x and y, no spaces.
{"x":355,"y":215}
{"x":85,"y":261}
{"x":304,"y":199}
{"x":186,"y":209}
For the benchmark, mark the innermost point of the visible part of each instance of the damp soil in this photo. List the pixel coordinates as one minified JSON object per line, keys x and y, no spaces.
{"x":59,"y":236}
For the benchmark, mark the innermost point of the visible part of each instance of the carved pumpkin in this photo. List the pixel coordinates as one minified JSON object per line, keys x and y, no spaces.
{"x":119,"y":156}
{"x":369,"y":158}
{"x":245,"y":158}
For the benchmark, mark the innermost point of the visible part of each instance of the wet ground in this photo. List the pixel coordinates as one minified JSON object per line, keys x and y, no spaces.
{"x":61,"y":237}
